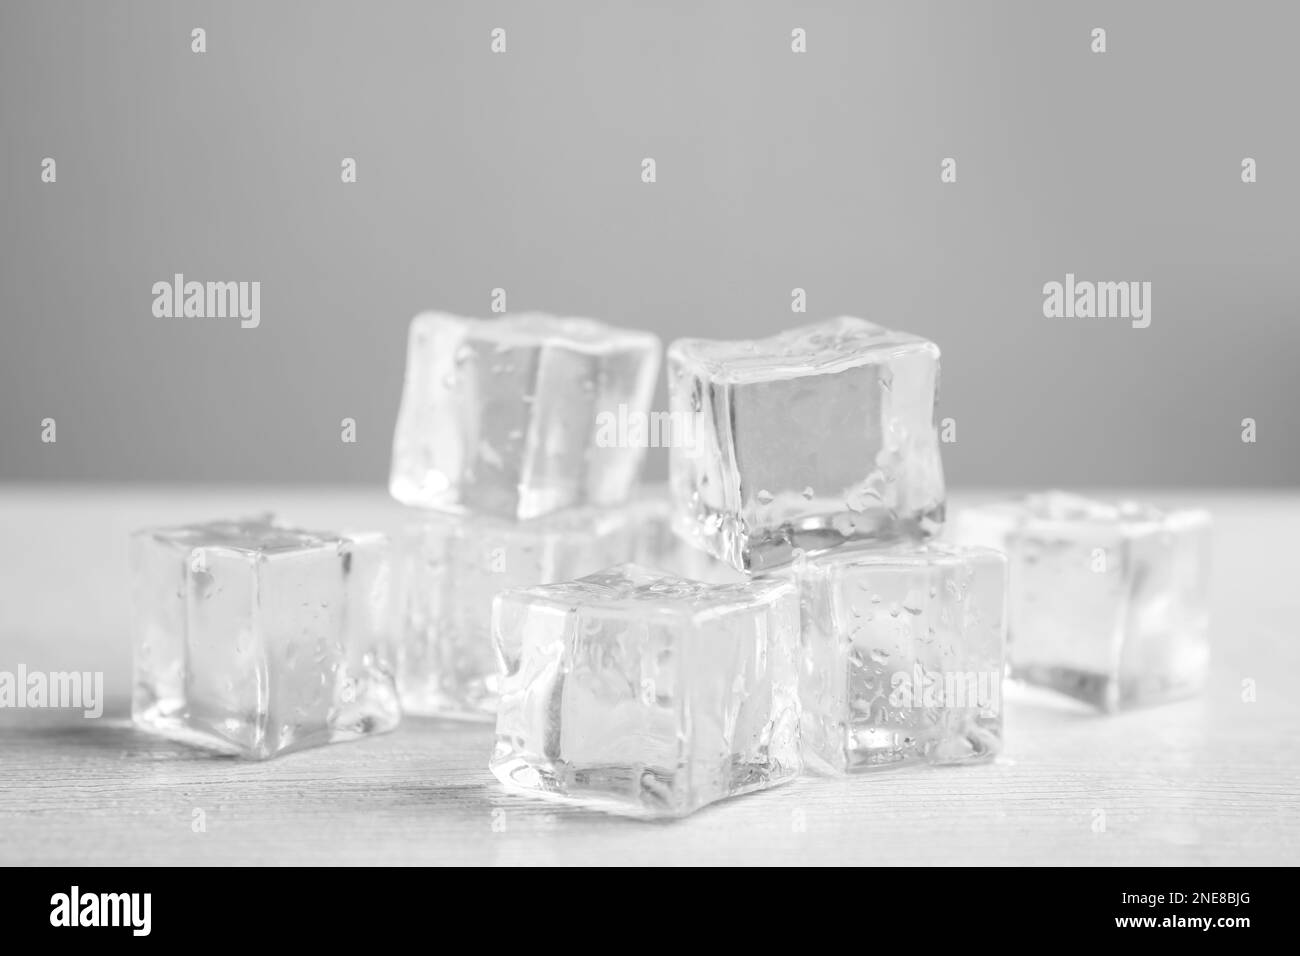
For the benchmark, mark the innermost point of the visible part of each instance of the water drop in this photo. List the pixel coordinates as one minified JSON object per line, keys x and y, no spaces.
{"x":844,"y":525}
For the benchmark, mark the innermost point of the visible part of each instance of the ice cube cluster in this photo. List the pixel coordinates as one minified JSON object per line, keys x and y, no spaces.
{"x":792,"y":604}
{"x":791,"y":601}
{"x":500,"y":450}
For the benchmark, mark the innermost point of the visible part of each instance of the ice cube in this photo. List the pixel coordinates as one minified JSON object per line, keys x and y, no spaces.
{"x":255,"y":639}
{"x":647,"y":694}
{"x":1109,"y":600}
{"x":451,"y":567}
{"x":902,"y":656}
{"x":519,"y":416}
{"x":818,"y":436}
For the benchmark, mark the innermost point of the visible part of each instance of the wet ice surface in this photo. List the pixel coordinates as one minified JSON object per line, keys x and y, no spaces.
{"x":254,"y":639}
{"x":902,"y":656}
{"x":451,"y":567}
{"x":502,"y":416}
{"x":647,"y":694}
{"x":809,"y":439}
{"x":664,"y":550}
{"x":1109,"y":600}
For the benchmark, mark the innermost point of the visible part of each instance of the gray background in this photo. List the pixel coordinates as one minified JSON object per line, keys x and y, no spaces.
{"x":523,"y":171}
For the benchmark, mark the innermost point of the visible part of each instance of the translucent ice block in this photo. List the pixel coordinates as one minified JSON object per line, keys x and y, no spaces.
{"x":1109,"y":601}
{"x":903,"y":656}
{"x":646,"y":694}
{"x":518,"y":417}
{"x":663,"y":549}
{"x":806,"y":440}
{"x":255,"y":639}
{"x":452,"y":566}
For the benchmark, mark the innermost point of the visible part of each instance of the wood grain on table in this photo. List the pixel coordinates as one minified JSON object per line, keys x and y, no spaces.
{"x":1211,"y":780}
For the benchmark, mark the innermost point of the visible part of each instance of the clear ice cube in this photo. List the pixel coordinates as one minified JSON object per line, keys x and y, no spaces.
{"x":255,"y":639}
{"x":647,"y":694}
{"x":807,"y":440}
{"x":902,"y":656}
{"x":1109,"y":600}
{"x":452,"y":566}
{"x":518,"y":416}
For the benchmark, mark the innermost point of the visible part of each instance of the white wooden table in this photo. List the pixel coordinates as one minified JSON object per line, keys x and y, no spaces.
{"x":1213,"y":780}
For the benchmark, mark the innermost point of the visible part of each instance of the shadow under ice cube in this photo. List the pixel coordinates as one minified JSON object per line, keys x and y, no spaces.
{"x":807,"y":440}
{"x":647,"y":694}
{"x":452,"y":566}
{"x":1109,"y":601}
{"x":256,"y":639}
{"x":503,"y":416}
{"x":902,"y":656}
